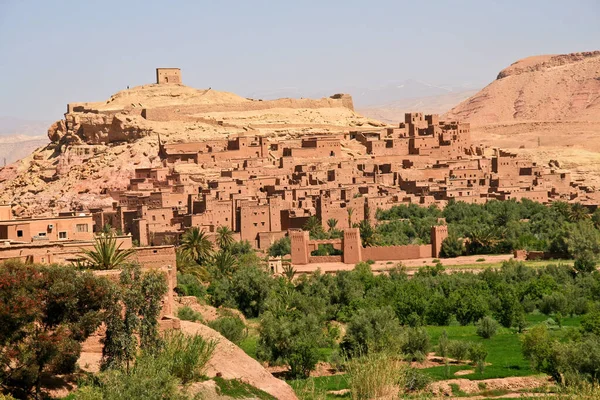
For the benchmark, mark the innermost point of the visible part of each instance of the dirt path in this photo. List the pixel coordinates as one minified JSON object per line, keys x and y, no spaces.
{"x":511,"y":384}
{"x":451,"y":264}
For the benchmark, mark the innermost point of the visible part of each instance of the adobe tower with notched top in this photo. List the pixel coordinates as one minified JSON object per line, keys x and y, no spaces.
{"x":168,"y":75}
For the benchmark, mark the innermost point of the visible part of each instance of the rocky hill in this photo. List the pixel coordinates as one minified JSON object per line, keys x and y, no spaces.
{"x":97,"y":146}
{"x":545,"y":107}
{"x":540,"y":88}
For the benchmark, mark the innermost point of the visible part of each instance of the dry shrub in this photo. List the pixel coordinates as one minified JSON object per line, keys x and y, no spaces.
{"x":376,"y":375}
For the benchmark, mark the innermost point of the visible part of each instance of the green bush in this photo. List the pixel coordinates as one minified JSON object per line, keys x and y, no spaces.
{"x":187,"y":355}
{"x":443,"y":344}
{"x":231,"y":326}
{"x":375,"y":329}
{"x":591,"y":322}
{"x":281,"y":247}
{"x":458,"y":349}
{"x":487,"y":327}
{"x":150,"y":378}
{"x":452,"y":247}
{"x":190,"y":285}
{"x":477,"y":354}
{"x":156,"y":374}
{"x":416,"y":345}
{"x":186,"y":313}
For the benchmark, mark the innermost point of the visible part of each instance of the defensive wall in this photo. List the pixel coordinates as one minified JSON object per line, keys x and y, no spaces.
{"x":354,"y":252}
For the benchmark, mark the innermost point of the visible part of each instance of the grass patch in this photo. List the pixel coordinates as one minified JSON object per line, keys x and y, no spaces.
{"x":322,"y":383}
{"x":249,"y":344}
{"x":482,"y":264}
{"x":240,"y":390}
{"x":504,"y":353}
{"x":456,"y":390}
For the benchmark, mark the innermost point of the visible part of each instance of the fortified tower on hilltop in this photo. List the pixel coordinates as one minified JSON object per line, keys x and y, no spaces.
{"x":168,"y":75}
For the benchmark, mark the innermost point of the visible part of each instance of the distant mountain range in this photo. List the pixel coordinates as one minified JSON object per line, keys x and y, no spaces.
{"x":20,"y":137}
{"x":373,"y":96}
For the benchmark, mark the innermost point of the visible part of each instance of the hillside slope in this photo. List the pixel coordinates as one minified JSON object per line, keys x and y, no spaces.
{"x":544,"y":107}
{"x":98,"y":145}
{"x":540,"y":88}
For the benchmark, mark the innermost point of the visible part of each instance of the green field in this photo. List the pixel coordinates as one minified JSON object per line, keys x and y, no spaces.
{"x":504,"y":357}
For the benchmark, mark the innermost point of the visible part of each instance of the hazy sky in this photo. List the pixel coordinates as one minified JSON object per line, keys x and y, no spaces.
{"x":54,"y":52}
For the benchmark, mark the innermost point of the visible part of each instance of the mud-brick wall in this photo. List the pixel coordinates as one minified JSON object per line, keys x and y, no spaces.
{"x":324,"y":259}
{"x":384,"y":253}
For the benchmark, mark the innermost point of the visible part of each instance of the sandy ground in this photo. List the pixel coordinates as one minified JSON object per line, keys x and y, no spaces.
{"x":513,"y":385}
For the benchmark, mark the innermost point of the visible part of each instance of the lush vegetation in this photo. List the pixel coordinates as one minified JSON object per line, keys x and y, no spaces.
{"x":48,"y":311}
{"x":566,"y":230}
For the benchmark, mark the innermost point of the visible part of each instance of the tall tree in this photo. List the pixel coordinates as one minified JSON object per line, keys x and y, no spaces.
{"x":195,"y":241}
{"x":224,"y":237}
{"x":350,"y":212}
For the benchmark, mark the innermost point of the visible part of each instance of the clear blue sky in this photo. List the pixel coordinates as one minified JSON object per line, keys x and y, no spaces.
{"x":54,"y":52}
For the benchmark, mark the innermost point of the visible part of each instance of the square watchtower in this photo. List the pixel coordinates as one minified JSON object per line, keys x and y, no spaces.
{"x":168,"y":75}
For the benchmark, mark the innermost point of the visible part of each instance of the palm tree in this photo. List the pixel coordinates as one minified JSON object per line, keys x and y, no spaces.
{"x":332,"y":223}
{"x":350,"y":211}
{"x":578,"y":212}
{"x":312,"y":224}
{"x":188,"y":266}
{"x":224,"y":237}
{"x":367,"y":234}
{"x":224,"y":262}
{"x":106,"y":254}
{"x":196,"y":243}
{"x":289,"y":272}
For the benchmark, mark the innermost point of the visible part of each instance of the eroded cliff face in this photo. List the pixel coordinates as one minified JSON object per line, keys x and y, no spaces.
{"x":541,"y":88}
{"x":96,"y":148}
{"x":540,"y":63}
{"x":92,"y":128}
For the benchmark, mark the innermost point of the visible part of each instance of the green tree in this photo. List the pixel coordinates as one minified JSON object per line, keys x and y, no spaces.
{"x":196,"y":243}
{"x":584,"y":245}
{"x":223,"y":263}
{"x":314,"y":226}
{"x":281,"y":247}
{"x":106,"y":254}
{"x":224,"y":237}
{"x":133,"y":309}
{"x":369,"y":330}
{"x":350,"y":212}
{"x":578,"y":212}
{"x":452,"y":247}
{"x":46,"y":312}
{"x":367,"y":234}
{"x":187,"y":265}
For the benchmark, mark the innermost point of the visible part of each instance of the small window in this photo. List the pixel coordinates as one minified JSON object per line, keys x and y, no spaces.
{"x":62,"y":235}
{"x":42,"y":234}
{"x":81,"y":227}
{"x":19,"y":233}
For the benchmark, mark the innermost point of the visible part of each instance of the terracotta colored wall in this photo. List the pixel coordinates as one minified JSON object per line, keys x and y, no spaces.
{"x":396,"y":252}
{"x":324,"y":259}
